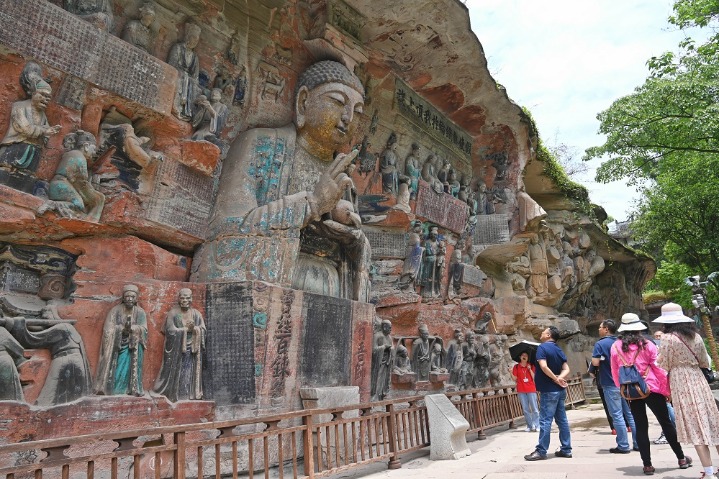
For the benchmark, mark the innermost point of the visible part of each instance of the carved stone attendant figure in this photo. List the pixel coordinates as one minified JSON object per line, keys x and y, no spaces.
{"x":28,"y":130}
{"x":432,"y":264}
{"x":181,"y":372}
{"x":11,"y":357}
{"x":209,"y":118}
{"x":421,"y":354}
{"x":429,"y":174}
{"x":183,"y":57}
{"x":443,"y":175}
{"x":124,"y":336}
{"x":453,"y":362}
{"x":97,"y":12}
{"x":437,"y":361}
{"x":70,"y":188}
{"x":538,"y":267}
{"x":468,"y":370}
{"x":68,"y":378}
{"x":482,"y":363}
{"x":456,"y":271}
{"x":138,"y":32}
{"x":276,"y":191}
{"x":382,"y":361}
{"x":454,"y":185}
{"x":388,"y":166}
{"x":413,"y":170}
{"x":484,"y":200}
{"x":413,"y":257}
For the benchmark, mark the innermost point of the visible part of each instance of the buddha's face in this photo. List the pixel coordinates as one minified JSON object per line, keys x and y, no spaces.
{"x":327,"y":117}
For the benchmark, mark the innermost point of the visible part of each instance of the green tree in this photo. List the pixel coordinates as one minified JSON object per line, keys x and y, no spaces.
{"x":664,"y":138}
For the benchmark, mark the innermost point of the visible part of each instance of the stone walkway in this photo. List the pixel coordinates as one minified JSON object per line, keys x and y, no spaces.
{"x":500,"y":456}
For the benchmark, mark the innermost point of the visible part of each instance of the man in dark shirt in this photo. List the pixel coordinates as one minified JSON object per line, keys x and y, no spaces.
{"x":551,"y":383}
{"x":616,"y":405}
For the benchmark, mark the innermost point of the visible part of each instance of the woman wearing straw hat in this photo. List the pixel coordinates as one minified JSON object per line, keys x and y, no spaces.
{"x":632,"y":347}
{"x":682,"y":353}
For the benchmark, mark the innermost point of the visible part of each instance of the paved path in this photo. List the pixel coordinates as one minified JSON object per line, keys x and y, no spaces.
{"x":500,"y":456}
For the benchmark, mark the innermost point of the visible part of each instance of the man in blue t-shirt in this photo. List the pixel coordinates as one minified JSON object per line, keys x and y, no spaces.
{"x":551,"y":383}
{"x":616,"y":405}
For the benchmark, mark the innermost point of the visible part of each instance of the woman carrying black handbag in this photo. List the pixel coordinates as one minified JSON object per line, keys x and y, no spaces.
{"x":682,"y":354}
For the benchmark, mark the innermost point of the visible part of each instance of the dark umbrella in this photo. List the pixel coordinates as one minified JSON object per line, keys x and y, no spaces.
{"x":528,"y":347}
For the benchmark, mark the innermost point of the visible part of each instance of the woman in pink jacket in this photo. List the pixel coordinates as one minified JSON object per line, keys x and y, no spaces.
{"x":632,"y":347}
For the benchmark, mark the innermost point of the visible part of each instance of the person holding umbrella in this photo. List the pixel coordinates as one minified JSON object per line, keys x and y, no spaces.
{"x":523,"y":374}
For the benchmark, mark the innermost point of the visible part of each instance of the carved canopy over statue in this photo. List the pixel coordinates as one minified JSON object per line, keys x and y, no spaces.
{"x":271,"y":220}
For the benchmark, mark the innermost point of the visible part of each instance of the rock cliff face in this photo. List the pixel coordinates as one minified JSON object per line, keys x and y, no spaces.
{"x":450,"y":221}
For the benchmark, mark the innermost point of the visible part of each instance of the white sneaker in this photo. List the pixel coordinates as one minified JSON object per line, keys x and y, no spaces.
{"x":527,"y":429}
{"x":661,"y":439}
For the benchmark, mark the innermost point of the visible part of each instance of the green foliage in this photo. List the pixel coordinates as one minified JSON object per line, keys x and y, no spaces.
{"x":664,"y":138}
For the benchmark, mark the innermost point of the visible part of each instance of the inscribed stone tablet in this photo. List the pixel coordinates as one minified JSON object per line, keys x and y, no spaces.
{"x":491,"y":229}
{"x":327,"y":341}
{"x":229,"y":370}
{"x":72,"y":93}
{"x":386,"y":244}
{"x":50,"y":35}
{"x":181,"y":199}
{"x":443,"y":209}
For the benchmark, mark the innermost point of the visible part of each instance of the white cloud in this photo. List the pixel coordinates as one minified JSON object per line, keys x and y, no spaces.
{"x":567,"y":60}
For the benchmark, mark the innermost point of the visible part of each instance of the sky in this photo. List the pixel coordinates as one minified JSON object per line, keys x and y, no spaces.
{"x":568,"y":60}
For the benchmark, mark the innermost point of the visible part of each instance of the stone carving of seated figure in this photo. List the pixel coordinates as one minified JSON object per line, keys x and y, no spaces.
{"x":437,"y":359}
{"x":71,"y":193}
{"x":278,"y":189}
{"x":138,"y":32}
{"x":97,"y":12}
{"x":401,"y":362}
{"x":209,"y":118}
{"x":68,"y":378}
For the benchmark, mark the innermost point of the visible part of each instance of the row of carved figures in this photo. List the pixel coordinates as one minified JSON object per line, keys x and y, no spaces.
{"x":120,"y":365}
{"x":469,"y":361}
{"x":437,"y":172}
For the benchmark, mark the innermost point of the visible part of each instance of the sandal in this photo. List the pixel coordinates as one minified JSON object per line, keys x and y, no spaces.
{"x":649,"y":470}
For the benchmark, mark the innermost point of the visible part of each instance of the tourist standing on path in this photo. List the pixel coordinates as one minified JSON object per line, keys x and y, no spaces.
{"x":661,"y":439}
{"x":682,"y":353}
{"x":616,"y":404}
{"x":635,"y":349}
{"x":551,"y":383}
{"x":523,"y":374}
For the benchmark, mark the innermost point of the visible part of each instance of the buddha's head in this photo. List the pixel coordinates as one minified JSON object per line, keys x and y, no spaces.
{"x":328,"y":102}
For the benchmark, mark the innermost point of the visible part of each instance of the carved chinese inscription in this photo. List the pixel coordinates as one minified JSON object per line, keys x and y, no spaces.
{"x":441,"y":209}
{"x":281,"y":364}
{"x":386,"y":244}
{"x":491,"y":229}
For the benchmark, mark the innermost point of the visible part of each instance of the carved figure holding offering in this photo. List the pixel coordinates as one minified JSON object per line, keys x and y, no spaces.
{"x":454,"y":185}
{"x":68,"y":378}
{"x":28,"y":131}
{"x":421,"y":354}
{"x":413,"y":170}
{"x":181,"y":372}
{"x":138,"y":32}
{"x":538,"y":266}
{"x":209,"y":118}
{"x":485,"y":206}
{"x":456,"y":271}
{"x":124,"y":337}
{"x":468,"y":370}
{"x":388,"y":166}
{"x":432,"y":264}
{"x":277,"y":183}
{"x":183,"y":57}
{"x":70,"y":189}
{"x":382,"y":361}
{"x":97,"y":12}
{"x":429,"y":174}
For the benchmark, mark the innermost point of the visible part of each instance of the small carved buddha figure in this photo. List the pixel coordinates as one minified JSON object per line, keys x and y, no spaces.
{"x":181,"y":373}
{"x":138,"y":32}
{"x":28,"y":131}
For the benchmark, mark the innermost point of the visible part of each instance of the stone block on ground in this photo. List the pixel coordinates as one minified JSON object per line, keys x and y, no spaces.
{"x":447,"y":429}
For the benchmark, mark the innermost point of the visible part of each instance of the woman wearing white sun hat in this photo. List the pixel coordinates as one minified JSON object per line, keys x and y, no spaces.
{"x":682,"y":353}
{"x":633,"y":348}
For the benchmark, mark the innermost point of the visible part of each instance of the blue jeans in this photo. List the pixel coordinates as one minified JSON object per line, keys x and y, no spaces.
{"x":551,"y":406}
{"x":619,"y":409}
{"x":530,"y":409}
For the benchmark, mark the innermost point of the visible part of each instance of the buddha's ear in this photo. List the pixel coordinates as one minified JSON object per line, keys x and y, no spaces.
{"x":301,"y":106}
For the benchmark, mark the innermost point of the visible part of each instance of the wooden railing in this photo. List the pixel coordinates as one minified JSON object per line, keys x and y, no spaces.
{"x":307,"y":443}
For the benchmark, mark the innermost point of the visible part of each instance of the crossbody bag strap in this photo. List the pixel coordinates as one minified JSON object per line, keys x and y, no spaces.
{"x":685,"y":344}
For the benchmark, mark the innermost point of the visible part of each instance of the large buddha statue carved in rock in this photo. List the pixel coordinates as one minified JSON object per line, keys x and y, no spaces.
{"x":272,"y":220}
